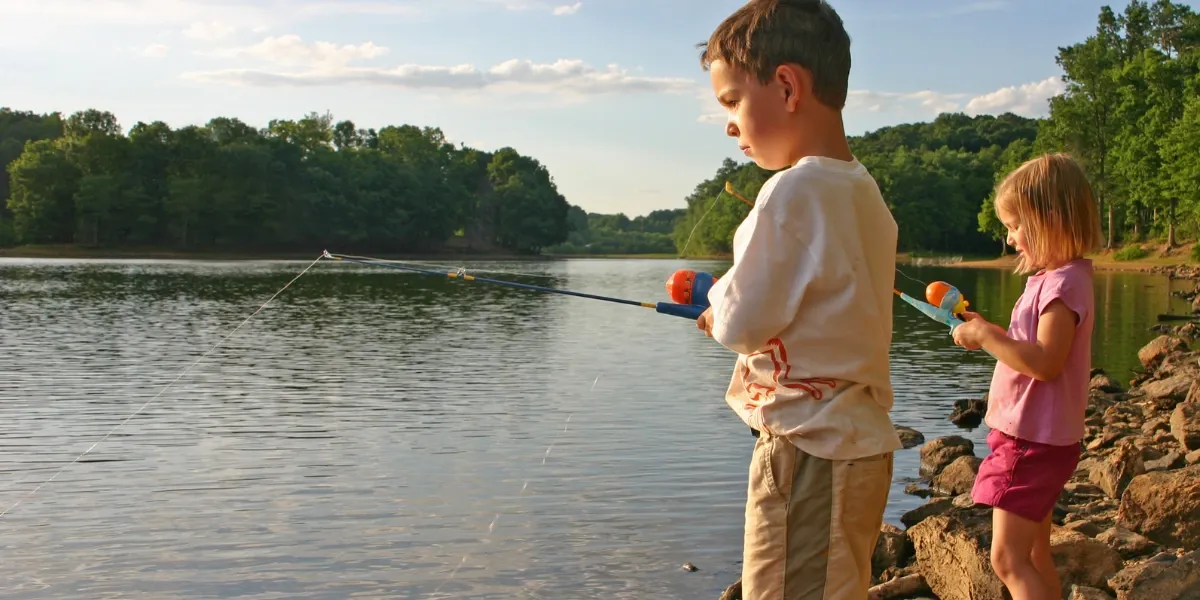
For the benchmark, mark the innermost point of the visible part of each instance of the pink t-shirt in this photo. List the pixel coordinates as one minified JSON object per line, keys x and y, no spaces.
{"x":1047,"y":412}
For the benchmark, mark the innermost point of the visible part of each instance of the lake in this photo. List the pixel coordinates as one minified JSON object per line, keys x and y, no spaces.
{"x":376,"y":433}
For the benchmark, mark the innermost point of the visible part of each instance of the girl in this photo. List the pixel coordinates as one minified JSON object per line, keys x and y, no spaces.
{"x":1039,"y":390}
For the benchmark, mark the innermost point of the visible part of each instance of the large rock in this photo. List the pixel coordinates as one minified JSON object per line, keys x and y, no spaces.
{"x":1158,"y":348}
{"x":969,"y":413}
{"x":1114,"y":473}
{"x":1082,"y":592}
{"x":1101,"y":382}
{"x":929,"y":509}
{"x":1193,"y":396}
{"x":1127,"y":543}
{"x":1163,"y":577}
{"x":1185,"y":425}
{"x":892,"y":550}
{"x":939,"y":453}
{"x":1164,"y":506}
{"x":1170,"y":391}
{"x":958,"y":477}
{"x":909,"y":437}
{"x":1171,"y":460}
{"x":1082,"y":560}
{"x":1125,"y":414}
{"x":953,"y":555}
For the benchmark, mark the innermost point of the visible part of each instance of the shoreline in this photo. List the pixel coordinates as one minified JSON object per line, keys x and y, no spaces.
{"x":68,"y":252}
{"x":1178,"y":263}
{"x":1175,"y":264}
{"x":71,"y":252}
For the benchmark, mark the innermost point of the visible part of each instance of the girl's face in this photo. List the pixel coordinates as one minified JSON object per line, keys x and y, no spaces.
{"x":1016,"y":234}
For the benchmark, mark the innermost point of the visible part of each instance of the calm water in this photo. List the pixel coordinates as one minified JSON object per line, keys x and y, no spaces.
{"x":375,"y":433}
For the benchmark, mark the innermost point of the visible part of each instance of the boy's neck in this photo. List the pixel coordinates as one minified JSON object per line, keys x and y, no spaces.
{"x":824,"y":135}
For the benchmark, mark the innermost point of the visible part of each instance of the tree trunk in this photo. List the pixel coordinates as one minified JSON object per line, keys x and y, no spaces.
{"x":1111,"y":232}
{"x":1171,"y":224}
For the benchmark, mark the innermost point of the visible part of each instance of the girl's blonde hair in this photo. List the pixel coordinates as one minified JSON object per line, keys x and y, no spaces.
{"x":1051,"y":197}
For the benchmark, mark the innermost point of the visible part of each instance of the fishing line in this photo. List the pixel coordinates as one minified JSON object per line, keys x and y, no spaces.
{"x":165,"y":388}
{"x":910,"y":277}
{"x":524,"y":487}
{"x":731,"y":191}
{"x":688,"y":311}
{"x":683,"y":251}
{"x":457,"y":269}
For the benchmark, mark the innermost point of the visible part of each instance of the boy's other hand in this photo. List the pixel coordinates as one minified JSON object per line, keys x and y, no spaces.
{"x":704,"y":322}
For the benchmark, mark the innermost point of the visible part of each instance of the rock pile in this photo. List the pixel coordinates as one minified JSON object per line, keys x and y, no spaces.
{"x":1127,"y":526}
{"x":1180,"y":271}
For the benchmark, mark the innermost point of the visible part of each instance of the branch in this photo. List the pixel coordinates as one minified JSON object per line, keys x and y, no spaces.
{"x":900,"y":587}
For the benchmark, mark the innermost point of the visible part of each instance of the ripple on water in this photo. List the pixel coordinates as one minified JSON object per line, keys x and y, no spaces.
{"x":381,"y":434}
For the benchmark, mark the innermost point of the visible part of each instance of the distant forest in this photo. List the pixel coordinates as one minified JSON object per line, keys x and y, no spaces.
{"x":1130,"y":113}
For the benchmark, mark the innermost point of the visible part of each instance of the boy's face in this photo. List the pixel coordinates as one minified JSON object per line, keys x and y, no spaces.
{"x":758,"y":114}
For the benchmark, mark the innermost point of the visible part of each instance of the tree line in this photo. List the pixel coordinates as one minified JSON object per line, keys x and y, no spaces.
{"x":294,"y":185}
{"x":1130,"y":113}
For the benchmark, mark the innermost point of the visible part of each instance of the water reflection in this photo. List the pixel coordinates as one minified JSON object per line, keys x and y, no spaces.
{"x":382,"y":433}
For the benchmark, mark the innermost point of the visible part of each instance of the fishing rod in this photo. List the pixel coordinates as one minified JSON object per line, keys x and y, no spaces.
{"x":943,"y":302}
{"x":685,"y":310}
{"x":688,"y":289}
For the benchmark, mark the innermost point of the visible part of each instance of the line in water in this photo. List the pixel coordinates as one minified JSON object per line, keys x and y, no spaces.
{"x":524,"y":486}
{"x":160,"y":392}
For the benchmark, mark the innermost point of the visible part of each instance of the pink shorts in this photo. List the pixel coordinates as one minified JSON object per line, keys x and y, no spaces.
{"x":1022,"y":477}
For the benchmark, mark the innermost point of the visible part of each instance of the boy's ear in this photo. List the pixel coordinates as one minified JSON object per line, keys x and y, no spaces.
{"x":795,"y":83}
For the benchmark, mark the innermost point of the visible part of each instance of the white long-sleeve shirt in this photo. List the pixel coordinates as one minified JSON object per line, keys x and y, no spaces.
{"x":807,"y":305}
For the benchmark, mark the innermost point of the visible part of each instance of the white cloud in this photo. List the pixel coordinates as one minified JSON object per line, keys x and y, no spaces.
{"x":209,"y":31}
{"x":155,"y":51}
{"x":1030,"y":99}
{"x":568,"y":9}
{"x":924,"y":101}
{"x":137,"y":12}
{"x":211,"y":20}
{"x":324,"y":63}
{"x":291,"y":50}
{"x":361,"y":7}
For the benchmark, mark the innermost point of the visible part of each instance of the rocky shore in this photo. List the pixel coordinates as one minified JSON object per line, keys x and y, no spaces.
{"x":1127,"y":526}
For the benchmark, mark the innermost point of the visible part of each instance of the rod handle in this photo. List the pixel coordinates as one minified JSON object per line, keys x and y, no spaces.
{"x":687,"y":311}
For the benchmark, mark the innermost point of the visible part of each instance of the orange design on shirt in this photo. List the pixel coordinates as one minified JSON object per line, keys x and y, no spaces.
{"x":781,"y":375}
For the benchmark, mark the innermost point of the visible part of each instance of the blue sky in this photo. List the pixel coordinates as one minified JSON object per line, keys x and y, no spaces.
{"x":608,"y":94}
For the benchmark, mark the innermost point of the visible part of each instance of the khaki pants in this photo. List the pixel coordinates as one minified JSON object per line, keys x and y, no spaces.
{"x":811,"y":523}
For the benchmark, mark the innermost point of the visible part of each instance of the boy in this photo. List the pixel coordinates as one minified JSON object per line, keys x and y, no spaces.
{"x":807,"y":305}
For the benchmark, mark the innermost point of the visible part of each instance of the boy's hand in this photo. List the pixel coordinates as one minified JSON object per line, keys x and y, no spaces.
{"x":704,"y":322}
{"x":974,"y":331}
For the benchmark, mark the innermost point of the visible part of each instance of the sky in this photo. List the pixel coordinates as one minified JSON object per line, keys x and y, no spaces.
{"x":608,"y":94}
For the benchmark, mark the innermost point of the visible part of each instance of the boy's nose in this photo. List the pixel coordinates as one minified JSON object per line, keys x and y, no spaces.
{"x":731,"y":129}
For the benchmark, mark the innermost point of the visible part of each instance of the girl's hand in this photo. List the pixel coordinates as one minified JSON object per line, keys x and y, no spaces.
{"x":974,"y":331}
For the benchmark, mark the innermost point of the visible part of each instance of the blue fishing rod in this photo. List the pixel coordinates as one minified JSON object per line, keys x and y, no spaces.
{"x":687,"y":311}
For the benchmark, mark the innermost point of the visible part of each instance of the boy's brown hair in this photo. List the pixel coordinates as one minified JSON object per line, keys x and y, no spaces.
{"x":1051,"y":197}
{"x":764,"y":34}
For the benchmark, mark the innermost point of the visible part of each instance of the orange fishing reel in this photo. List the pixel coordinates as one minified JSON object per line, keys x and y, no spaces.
{"x":946,"y":297}
{"x":686,"y":286}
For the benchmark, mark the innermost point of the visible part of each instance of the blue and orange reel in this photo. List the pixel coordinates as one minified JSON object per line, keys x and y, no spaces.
{"x":686,"y":286}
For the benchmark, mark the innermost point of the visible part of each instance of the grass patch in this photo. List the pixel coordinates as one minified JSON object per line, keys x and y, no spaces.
{"x":1131,"y":252}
